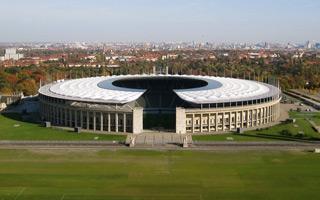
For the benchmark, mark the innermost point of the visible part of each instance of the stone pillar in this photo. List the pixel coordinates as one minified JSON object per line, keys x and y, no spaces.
{"x":247,"y":118}
{"x":201,"y":124}
{"x":192,"y":123}
{"x":61,"y":116}
{"x":223,"y":121}
{"x":241,"y":118}
{"x":117,"y":122}
{"x":209,"y":122}
{"x":101,"y":121}
{"x":137,"y":120}
{"x":65,"y":117}
{"x":109,"y":123}
{"x":70,"y":118}
{"x":94,"y":121}
{"x":260,"y":122}
{"x":81,"y":118}
{"x":216,"y":122}
{"x":230,"y":121}
{"x":75,"y":118}
{"x":265,"y":115}
{"x":88,"y":120}
{"x":181,"y":121}
{"x":124,"y":122}
{"x":55,"y":111}
{"x":236,"y":120}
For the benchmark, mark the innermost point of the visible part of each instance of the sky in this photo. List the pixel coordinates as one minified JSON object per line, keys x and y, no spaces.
{"x":159,"y":20}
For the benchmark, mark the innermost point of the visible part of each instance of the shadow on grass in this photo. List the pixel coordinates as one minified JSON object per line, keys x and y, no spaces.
{"x":32,"y":118}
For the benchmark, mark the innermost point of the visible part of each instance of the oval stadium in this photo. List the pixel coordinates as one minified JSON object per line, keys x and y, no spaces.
{"x":172,"y":103}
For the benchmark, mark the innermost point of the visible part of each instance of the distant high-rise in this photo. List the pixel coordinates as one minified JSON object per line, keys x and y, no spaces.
{"x":309,"y":45}
{"x":11,"y":54}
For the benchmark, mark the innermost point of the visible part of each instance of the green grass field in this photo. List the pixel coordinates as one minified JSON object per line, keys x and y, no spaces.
{"x":11,"y":129}
{"x":314,"y":116}
{"x":231,"y":137}
{"x":125,"y":174}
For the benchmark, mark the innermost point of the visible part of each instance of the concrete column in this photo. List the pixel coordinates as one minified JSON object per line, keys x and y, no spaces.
{"x":101,"y":121}
{"x":209,"y":122}
{"x":81,"y":118}
{"x":192,"y":123}
{"x":75,"y":118}
{"x":124,"y":122}
{"x":261,"y":116}
{"x":88,"y":120}
{"x":247,"y":118}
{"x":53,"y":112}
{"x":137,"y":118}
{"x":56,"y":115}
{"x":117,"y":122}
{"x":109,"y":123}
{"x":236,"y":119}
{"x":230,"y":120}
{"x":201,"y":124}
{"x":51,"y":115}
{"x":61,"y":114}
{"x":65,"y":117}
{"x":216,"y":122}
{"x":94,"y":121}
{"x":181,"y":121}
{"x":223,"y":121}
{"x":70,"y":118}
{"x":241,"y":119}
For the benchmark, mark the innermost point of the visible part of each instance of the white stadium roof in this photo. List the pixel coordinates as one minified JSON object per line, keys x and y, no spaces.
{"x":101,"y":90}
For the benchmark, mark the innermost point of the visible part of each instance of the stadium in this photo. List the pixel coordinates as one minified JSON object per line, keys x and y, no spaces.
{"x":172,"y":103}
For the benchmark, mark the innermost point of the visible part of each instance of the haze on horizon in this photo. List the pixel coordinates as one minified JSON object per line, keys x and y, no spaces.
{"x":162,"y":20}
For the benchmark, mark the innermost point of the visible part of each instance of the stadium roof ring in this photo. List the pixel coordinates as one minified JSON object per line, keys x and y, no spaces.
{"x":103,"y":89}
{"x":162,"y":92}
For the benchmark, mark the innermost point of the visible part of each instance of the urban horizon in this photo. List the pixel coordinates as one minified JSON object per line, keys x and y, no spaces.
{"x":217,"y":21}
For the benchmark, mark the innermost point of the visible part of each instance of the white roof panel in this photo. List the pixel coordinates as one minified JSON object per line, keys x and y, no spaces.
{"x":101,"y":89}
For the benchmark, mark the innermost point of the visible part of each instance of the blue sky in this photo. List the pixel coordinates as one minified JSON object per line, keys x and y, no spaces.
{"x":160,"y":20}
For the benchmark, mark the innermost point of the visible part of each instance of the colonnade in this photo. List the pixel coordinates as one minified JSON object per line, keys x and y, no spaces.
{"x":221,"y":120}
{"x":87,"y":119}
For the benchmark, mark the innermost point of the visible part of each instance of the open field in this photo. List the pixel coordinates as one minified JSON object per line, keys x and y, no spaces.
{"x":124,"y":174}
{"x":11,"y":129}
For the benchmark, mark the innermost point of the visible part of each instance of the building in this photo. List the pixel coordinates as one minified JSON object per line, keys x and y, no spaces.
{"x":11,"y":54}
{"x":177,"y":103}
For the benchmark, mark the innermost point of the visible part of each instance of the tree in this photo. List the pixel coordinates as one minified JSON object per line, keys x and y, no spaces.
{"x":28,"y":87}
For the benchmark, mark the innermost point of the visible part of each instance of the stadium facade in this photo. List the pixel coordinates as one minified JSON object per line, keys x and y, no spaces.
{"x":179,"y":103}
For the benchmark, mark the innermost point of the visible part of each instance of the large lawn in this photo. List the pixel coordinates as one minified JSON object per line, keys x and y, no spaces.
{"x":125,"y":174}
{"x":11,"y":129}
{"x":313,"y":116}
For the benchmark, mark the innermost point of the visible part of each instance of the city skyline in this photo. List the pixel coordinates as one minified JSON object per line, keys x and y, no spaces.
{"x":161,"y":21}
